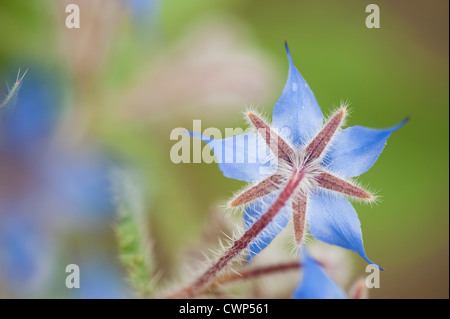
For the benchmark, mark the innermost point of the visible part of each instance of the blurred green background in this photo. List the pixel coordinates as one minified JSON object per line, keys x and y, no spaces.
{"x":133,"y":76}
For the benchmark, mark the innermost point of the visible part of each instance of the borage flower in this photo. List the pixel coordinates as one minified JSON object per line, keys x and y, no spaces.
{"x":306,"y":177}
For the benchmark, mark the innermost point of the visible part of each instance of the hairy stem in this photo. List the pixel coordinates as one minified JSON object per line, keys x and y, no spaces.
{"x":257,"y":272}
{"x":135,"y":251}
{"x":242,"y":243}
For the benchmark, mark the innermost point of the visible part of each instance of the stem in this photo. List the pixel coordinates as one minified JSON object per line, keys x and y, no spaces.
{"x":242,"y":243}
{"x":257,"y":272}
{"x":135,"y":250}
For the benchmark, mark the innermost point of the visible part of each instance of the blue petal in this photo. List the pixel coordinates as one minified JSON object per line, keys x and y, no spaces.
{"x":243,"y":157}
{"x":254,"y":212}
{"x":333,"y":220}
{"x":315,"y":282}
{"x":296,"y":114}
{"x":357,"y":148}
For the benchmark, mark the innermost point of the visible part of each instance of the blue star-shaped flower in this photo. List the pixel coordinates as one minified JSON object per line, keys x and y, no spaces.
{"x":307,"y":170}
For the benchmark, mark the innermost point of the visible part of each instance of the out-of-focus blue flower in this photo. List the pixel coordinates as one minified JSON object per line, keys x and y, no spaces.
{"x":29,"y":125}
{"x":297,"y":118}
{"x":145,"y":13}
{"x":142,"y":7}
{"x":25,"y":253}
{"x":100,"y":280}
{"x":315,"y":282}
{"x":81,"y":184}
{"x":45,"y":184}
{"x":44,"y":171}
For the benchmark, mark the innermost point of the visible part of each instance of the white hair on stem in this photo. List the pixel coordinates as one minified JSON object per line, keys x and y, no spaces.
{"x":11,"y":97}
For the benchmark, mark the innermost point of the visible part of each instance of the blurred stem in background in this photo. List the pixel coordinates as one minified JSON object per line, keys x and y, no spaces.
{"x":135,"y":247}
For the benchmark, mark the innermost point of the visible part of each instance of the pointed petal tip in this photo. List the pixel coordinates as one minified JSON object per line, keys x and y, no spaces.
{"x":198,"y":136}
{"x":406,"y":120}
{"x":372,"y":263}
{"x":379,"y":267}
{"x":286,"y":46}
{"x":399,"y":125}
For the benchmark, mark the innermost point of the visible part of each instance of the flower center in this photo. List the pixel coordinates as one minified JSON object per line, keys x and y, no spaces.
{"x":299,"y":163}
